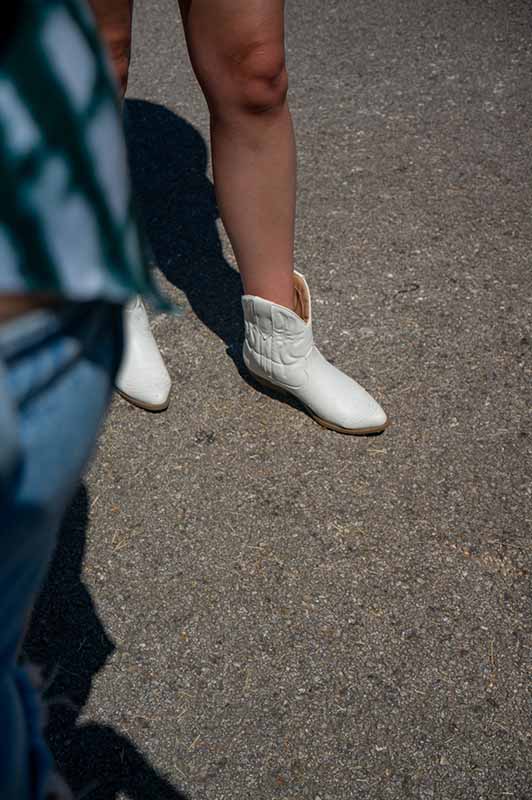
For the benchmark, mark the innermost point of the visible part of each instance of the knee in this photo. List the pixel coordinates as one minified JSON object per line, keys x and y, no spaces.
{"x":255,"y":80}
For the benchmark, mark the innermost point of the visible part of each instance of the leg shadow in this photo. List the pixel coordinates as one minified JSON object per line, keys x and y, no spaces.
{"x":169,"y":160}
{"x":68,"y":639}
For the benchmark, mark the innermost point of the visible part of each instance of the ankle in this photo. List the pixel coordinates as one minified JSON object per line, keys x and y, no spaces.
{"x":294,"y":299}
{"x":280,"y":295}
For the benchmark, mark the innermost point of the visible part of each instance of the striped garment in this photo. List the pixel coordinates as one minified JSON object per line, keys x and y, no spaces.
{"x":67,"y":223}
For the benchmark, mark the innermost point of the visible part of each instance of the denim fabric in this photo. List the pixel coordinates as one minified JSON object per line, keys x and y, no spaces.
{"x":56,"y":375}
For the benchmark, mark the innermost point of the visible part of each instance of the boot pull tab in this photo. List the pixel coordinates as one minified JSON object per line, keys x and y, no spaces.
{"x":300,"y":304}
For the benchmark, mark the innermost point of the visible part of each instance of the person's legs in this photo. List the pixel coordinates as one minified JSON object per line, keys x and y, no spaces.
{"x":237,"y":51}
{"x":56,"y":373}
{"x":143,"y":378}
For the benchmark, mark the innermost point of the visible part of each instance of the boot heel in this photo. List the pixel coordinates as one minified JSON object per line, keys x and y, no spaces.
{"x":267,"y":385}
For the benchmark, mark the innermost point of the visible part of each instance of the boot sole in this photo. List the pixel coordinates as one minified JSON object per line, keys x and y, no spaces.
{"x":140,"y":404}
{"x":323,"y":422}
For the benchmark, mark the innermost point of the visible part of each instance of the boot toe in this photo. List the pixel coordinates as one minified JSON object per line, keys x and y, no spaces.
{"x":150,"y":391}
{"x":339,"y":401}
{"x":147,"y":394}
{"x":371,"y":416}
{"x":361,"y":412}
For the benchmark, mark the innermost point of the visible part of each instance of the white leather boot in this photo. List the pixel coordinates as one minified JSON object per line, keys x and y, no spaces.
{"x":279,"y":351}
{"x":142,"y":378}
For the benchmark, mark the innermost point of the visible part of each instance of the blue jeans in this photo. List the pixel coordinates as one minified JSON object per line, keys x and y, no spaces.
{"x":56,"y":375}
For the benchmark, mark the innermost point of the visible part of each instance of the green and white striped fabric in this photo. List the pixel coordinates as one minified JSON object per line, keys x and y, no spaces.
{"x":67,"y":224}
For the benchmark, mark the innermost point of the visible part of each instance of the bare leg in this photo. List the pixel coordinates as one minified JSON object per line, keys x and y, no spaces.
{"x":237,"y":51}
{"x":143,"y":378}
{"x":114,"y":23}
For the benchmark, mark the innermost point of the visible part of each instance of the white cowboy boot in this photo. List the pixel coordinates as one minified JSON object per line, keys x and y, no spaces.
{"x":142,"y":378}
{"x":279,"y":351}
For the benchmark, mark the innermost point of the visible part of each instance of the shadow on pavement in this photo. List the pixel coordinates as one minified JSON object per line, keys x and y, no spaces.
{"x":68,"y":640}
{"x":169,"y":160}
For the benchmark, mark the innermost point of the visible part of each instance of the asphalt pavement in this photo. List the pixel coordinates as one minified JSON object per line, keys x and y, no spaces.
{"x":243,"y":604}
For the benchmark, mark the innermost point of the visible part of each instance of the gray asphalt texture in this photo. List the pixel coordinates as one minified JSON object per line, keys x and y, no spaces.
{"x":243,"y":604}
